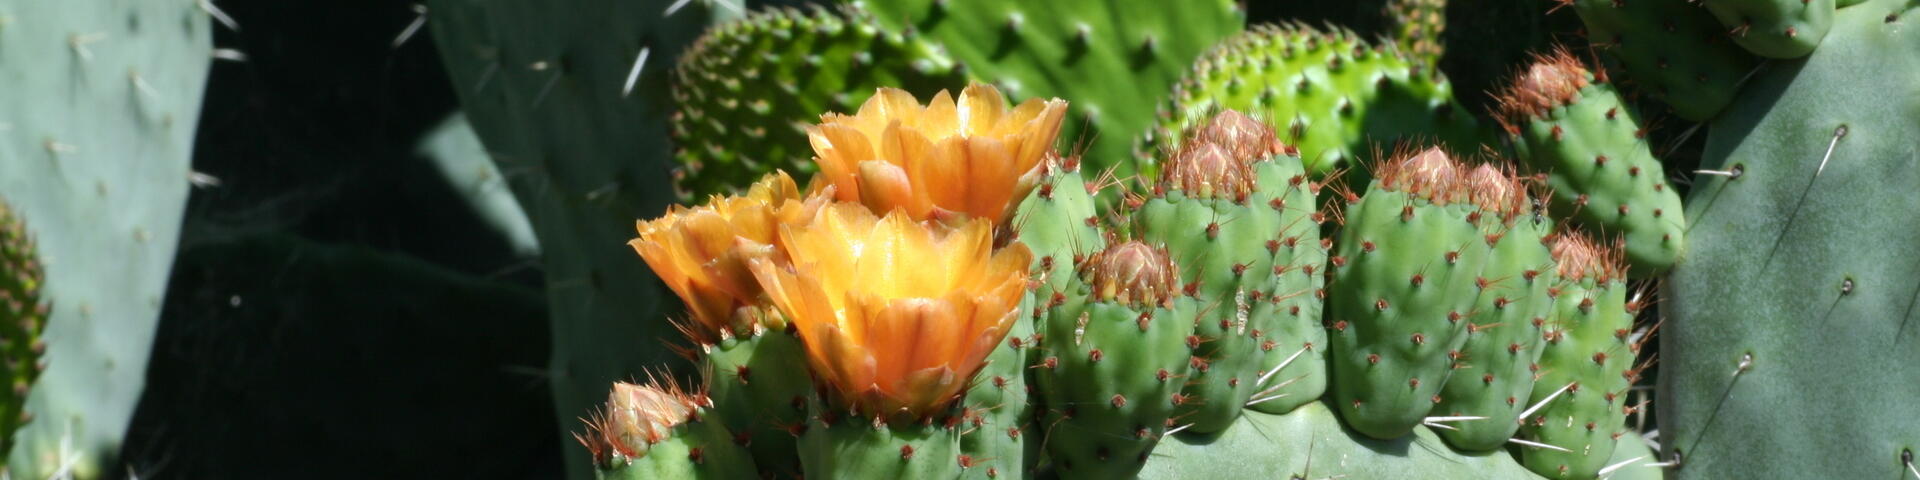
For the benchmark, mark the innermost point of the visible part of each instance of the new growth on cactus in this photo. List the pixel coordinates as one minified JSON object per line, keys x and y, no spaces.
{"x":660,"y":430}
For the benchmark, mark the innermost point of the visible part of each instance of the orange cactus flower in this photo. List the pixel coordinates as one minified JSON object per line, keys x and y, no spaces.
{"x":897,"y":315}
{"x":701,"y":252}
{"x":971,"y":157}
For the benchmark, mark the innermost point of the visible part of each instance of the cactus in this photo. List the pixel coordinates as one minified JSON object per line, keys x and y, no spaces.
{"x":1579,"y":401}
{"x":1077,"y":48}
{"x":746,"y":89}
{"x":1311,"y":443}
{"x":1330,"y":94}
{"x":1406,"y":269}
{"x":1789,"y":290}
{"x":96,"y":131}
{"x":661,"y":431}
{"x":1573,"y":127}
{"x":585,"y":151}
{"x":1224,"y":207}
{"x":23,"y":315}
{"x":1491,"y":379}
{"x":1116,"y":348}
{"x":1673,"y":48}
{"x":1775,"y":28}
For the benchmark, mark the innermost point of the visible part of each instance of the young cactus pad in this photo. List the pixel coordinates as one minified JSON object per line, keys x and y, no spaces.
{"x":1574,"y":127}
{"x":1579,"y":402}
{"x":23,"y":314}
{"x":661,"y":431}
{"x":1673,"y":48}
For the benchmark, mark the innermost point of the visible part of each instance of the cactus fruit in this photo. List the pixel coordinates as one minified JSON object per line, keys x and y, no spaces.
{"x":23,"y":315}
{"x":1572,"y":126}
{"x":1113,"y":57}
{"x":1775,"y":28}
{"x":1330,"y":94}
{"x":97,"y":124}
{"x":661,"y":431}
{"x":1116,"y":347}
{"x":745,"y":91}
{"x":1579,"y":402}
{"x":1405,"y":273}
{"x":1799,"y":282}
{"x":965,"y":157}
{"x":1491,"y":378}
{"x":1672,"y":48}
{"x":1418,"y":27}
{"x":1224,"y":207}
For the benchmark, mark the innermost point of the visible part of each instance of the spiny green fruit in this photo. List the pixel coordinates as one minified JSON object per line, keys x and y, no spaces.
{"x":1111,"y":57}
{"x":1491,"y":377}
{"x":1672,"y":48}
{"x":1330,"y":94}
{"x":1798,"y":281}
{"x":1572,"y":126}
{"x":661,"y":431}
{"x":1775,"y":28}
{"x":1405,"y":274}
{"x":758,"y":384}
{"x":1115,"y":350}
{"x":23,"y":315}
{"x":1579,"y":402}
{"x":747,"y":88}
{"x":1221,"y":208}
{"x":1418,"y":26}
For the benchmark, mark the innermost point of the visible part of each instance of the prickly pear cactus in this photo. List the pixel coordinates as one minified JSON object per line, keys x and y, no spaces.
{"x":1492,"y":376}
{"x":1221,"y":208}
{"x":1672,"y":48}
{"x":1115,"y":348}
{"x":1328,"y":93}
{"x":96,"y":133}
{"x":661,"y":431}
{"x":1572,"y":126}
{"x":23,"y":315}
{"x":1818,"y":169}
{"x":1775,"y":28}
{"x":1579,"y":402}
{"x":572,"y":103}
{"x":1074,"y":48}
{"x":1405,"y":274}
{"x":744,"y":91}
{"x":1311,"y":443}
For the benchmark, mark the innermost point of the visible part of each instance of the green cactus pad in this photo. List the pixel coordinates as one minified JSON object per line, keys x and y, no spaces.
{"x":1793,"y":316}
{"x":1058,"y":223}
{"x":1492,"y":378}
{"x":97,"y":126}
{"x":995,"y":431}
{"x":546,"y":89}
{"x":1672,"y":48}
{"x":1328,"y":93}
{"x":1112,"y":58}
{"x":1112,"y":367}
{"x":759,"y":388}
{"x":1775,"y":28}
{"x":23,"y":315}
{"x":1575,"y":128}
{"x":698,"y":448}
{"x":1405,"y":273}
{"x":1586,"y":365}
{"x":744,"y":91}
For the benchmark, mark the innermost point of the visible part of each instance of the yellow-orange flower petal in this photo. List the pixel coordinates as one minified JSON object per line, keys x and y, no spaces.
{"x":701,"y":252}
{"x":971,"y":156}
{"x":897,"y":315}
